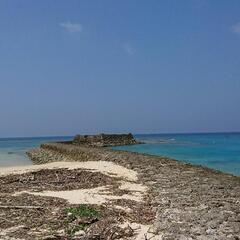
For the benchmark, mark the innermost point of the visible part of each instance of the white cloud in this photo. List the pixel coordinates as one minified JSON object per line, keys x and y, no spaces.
{"x":71,"y":27}
{"x":236,"y":28}
{"x":128,"y":48}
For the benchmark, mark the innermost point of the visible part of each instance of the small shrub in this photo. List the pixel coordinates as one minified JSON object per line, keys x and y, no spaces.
{"x":82,"y":211}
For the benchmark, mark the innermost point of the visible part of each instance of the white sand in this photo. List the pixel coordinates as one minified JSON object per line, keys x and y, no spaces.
{"x":88,"y":196}
{"x":105,"y":167}
{"x":141,"y":232}
{"x":97,"y":196}
{"x":133,"y":187}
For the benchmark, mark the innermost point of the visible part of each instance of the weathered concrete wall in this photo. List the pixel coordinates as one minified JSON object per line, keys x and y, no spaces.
{"x":104,"y":140}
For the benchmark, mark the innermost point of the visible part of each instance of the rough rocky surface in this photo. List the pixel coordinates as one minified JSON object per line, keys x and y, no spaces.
{"x":190,"y":202}
{"x":104,"y":140}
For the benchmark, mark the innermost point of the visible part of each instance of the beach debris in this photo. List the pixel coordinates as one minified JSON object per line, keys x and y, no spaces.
{"x":10,"y":230}
{"x":95,"y":214}
{"x":105,"y":167}
{"x":20,"y":207}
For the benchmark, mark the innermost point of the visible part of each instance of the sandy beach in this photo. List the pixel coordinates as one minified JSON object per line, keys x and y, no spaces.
{"x":112,"y":188}
{"x":132,"y":196}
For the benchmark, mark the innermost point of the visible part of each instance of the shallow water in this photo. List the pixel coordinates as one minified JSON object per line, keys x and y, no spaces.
{"x":13,"y":150}
{"x":219,"y":151}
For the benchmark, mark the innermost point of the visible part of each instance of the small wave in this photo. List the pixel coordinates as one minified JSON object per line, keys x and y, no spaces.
{"x":159,"y":141}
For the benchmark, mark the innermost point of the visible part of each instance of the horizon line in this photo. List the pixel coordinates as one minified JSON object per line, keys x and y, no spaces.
{"x":163,"y":133}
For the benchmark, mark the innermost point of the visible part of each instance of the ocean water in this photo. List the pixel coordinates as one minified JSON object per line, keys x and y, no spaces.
{"x":13,"y":150}
{"x":219,"y":151}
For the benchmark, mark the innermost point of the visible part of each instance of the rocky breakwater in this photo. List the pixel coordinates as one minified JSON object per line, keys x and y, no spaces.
{"x":105,"y":140}
{"x":190,"y":202}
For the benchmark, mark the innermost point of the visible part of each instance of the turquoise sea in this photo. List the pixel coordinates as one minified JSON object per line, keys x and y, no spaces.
{"x":13,"y":150}
{"x":219,"y":151}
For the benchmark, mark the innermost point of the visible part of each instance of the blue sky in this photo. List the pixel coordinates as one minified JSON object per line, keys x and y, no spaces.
{"x":137,"y":66}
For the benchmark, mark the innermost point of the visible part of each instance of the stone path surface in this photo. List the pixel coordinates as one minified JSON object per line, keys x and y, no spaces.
{"x":191,"y":202}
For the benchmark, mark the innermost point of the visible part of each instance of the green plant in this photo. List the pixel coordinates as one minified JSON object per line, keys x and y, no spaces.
{"x":82,"y":211}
